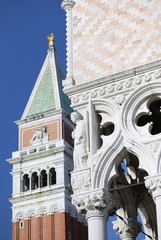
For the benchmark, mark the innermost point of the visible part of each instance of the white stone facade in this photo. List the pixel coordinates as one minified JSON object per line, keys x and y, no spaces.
{"x":113,"y":36}
{"x":117,"y":93}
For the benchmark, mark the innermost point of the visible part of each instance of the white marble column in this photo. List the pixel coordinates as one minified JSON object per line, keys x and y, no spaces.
{"x":97,"y":225}
{"x":153,"y":184}
{"x":67,"y":5}
{"x":127,"y":230}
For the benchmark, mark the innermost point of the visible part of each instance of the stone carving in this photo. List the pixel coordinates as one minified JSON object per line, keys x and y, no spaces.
{"x":96,"y":201}
{"x":147,"y":77}
{"x":157,"y":74}
{"x":81,"y":181}
{"x":138,"y":80}
{"x":96,"y":204}
{"x":154,"y":146}
{"x":120,"y":99}
{"x":129,"y":228}
{"x":80,"y":205}
{"x":79,"y":136}
{"x":154,"y":185}
{"x":40,"y":136}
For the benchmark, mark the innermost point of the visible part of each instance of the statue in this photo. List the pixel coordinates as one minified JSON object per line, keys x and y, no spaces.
{"x":50,"y":40}
{"x":79,"y":136}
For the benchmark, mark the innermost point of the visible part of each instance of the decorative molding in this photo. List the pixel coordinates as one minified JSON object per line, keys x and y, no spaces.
{"x":130,"y":74}
{"x":113,"y":88}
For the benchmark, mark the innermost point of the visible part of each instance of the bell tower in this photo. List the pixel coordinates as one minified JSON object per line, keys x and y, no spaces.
{"x":41,"y":198}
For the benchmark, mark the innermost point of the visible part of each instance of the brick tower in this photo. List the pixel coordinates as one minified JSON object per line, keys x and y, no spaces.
{"x":41,"y":202}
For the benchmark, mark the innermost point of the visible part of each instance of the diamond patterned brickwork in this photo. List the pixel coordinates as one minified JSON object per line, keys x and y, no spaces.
{"x":111,"y":36}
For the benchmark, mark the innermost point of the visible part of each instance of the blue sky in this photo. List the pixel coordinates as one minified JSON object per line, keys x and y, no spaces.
{"x":24,"y":26}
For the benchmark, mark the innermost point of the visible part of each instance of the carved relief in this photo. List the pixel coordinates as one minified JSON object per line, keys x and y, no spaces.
{"x":154,"y":146}
{"x":81,"y":181}
{"x":40,"y":136}
{"x":120,"y":99}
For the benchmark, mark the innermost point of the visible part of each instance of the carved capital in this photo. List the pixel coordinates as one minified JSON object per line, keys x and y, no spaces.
{"x":128,"y":229}
{"x":153,"y":184}
{"x":67,"y":4}
{"x":96,"y":204}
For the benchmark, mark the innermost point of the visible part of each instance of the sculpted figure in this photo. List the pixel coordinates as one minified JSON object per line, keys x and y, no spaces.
{"x":79,"y":136}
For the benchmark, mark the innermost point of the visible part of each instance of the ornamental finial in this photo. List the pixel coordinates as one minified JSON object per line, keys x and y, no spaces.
{"x":51,"y":40}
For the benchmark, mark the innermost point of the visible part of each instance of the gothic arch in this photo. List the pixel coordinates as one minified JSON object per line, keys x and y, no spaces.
{"x":136,"y":104}
{"x":105,"y":167}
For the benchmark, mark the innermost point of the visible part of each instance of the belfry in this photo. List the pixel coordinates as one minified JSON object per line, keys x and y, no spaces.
{"x":99,"y":155}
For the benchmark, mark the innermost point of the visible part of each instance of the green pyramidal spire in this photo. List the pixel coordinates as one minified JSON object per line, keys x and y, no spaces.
{"x":47,"y":93}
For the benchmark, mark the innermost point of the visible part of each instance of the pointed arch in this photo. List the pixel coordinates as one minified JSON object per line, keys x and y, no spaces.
{"x":108,"y":160}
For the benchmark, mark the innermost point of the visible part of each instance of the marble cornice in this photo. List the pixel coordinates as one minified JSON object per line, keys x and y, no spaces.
{"x":36,"y":155}
{"x":34,"y":194}
{"x":112,"y":78}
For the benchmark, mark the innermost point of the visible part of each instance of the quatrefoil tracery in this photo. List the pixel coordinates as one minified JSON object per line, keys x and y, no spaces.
{"x":153,"y":117}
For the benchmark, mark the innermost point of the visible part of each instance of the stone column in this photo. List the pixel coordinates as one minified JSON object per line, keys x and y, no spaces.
{"x":67,"y":5}
{"x":97,"y":224}
{"x":127,"y":230}
{"x":153,"y":184}
{"x":96,"y":206}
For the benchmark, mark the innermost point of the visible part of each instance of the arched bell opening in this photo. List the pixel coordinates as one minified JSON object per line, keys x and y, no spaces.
{"x":52,"y":176}
{"x":34,"y":181}
{"x":26,"y":183}
{"x":128,"y":187}
{"x":43,"y":178}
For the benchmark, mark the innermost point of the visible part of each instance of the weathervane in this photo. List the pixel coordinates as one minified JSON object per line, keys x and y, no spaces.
{"x":51,"y":40}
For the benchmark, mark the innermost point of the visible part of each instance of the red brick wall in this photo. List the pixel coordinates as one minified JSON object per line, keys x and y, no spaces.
{"x":50,"y":227}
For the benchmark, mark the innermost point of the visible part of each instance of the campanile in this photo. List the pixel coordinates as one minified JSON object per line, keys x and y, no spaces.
{"x":41,"y":201}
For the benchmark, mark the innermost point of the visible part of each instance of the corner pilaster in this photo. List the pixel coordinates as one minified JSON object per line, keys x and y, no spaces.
{"x":67,"y":6}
